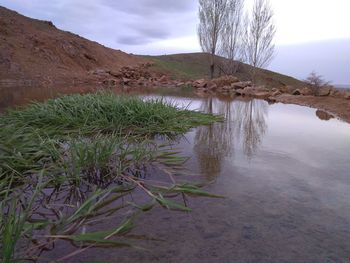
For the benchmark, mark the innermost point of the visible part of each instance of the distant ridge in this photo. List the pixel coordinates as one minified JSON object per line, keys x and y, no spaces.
{"x":340,"y":86}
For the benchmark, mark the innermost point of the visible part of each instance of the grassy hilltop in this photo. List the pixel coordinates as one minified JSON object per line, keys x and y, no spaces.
{"x":196,"y":66}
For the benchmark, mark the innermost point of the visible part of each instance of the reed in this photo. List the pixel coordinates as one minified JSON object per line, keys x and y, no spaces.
{"x":87,"y":153}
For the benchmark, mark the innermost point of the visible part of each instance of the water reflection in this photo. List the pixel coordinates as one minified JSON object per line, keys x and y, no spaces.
{"x":13,"y":95}
{"x":245,"y":127}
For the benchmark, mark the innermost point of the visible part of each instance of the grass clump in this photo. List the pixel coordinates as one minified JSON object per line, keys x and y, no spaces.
{"x":73,"y":161}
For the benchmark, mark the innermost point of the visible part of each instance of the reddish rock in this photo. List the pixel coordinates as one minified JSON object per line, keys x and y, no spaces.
{"x":261,"y":94}
{"x":276,"y":93}
{"x":126,"y":81}
{"x":306,"y":91}
{"x":211,"y":85}
{"x":322,"y":115}
{"x":179,"y":84}
{"x":225,"y":81}
{"x":324,"y":91}
{"x":241,"y":85}
{"x":163,"y":79}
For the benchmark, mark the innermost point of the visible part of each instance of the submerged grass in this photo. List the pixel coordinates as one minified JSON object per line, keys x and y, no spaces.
{"x":85,"y":152}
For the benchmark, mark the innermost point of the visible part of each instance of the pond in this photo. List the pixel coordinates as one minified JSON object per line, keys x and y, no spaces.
{"x":285,"y":176}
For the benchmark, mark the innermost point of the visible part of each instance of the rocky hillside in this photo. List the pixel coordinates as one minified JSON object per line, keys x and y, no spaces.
{"x":34,"y":50}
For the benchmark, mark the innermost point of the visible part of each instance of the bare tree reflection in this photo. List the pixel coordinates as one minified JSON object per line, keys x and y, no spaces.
{"x":245,"y":124}
{"x":250,"y":124}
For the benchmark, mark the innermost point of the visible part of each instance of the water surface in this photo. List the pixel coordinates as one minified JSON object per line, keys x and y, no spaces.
{"x":284,"y":173}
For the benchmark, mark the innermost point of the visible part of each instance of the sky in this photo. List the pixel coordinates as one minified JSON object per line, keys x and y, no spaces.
{"x":311,"y":34}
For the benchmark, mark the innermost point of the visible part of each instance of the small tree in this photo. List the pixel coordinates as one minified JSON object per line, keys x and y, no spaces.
{"x":316,"y":82}
{"x":212,"y":14}
{"x":259,"y":36}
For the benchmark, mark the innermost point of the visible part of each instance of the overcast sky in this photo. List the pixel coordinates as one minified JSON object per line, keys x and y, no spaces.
{"x":312,"y":34}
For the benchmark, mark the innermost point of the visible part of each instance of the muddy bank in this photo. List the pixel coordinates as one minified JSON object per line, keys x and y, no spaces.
{"x":336,"y":106}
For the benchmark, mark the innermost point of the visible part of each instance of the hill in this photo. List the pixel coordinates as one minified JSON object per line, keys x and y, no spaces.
{"x":196,"y":66}
{"x":35,"y":50}
{"x":32,"y":49}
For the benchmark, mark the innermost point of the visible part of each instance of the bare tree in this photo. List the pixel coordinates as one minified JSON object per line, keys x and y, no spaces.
{"x":259,"y":36}
{"x":231,"y":38}
{"x":316,"y":81}
{"x":212,"y":15}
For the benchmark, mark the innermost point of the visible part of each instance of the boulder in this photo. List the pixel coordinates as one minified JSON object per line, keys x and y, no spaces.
{"x":179,"y":84}
{"x":272,"y":99}
{"x":261,"y":94}
{"x":248,"y":91}
{"x":211,"y":85}
{"x":287,"y":89}
{"x":324,"y":91}
{"x":239,"y":92}
{"x":322,"y":115}
{"x":110,"y":83}
{"x":306,"y":91}
{"x":200,"y":83}
{"x":126,"y":81}
{"x":225,"y":81}
{"x":241,"y":85}
{"x":347,"y":95}
{"x":296,"y":92}
{"x":276,"y":93}
{"x":163,"y":79}
{"x":261,"y":89}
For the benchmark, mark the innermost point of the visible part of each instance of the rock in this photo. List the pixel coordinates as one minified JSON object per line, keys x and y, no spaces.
{"x":239,"y":92}
{"x":116,"y":74}
{"x":276,"y":93}
{"x":306,"y":91}
{"x":199,"y":83}
{"x":241,"y":85}
{"x":261,"y":89}
{"x":248,"y":91}
{"x":262,"y":94}
{"x":296,"y":92}
{"x":227,"y":88}
{"x":163,"y":79}
{"x":271,"y":99}
{"x":225,"y":81}
{"x":126,"y":81}
{"x":322,"y":115}
{"x":324,"y":91}
{"x":110,"y":83}
{"x":287,"y":89}
{"x":179,"y":84}
{"x":347,"y":95}
{"x":211,"y":85}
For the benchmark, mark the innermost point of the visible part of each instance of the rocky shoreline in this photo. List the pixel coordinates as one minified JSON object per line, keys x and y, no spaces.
{"x":328,"y":99}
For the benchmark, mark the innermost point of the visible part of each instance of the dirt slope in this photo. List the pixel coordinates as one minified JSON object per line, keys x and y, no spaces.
{"x":36,"y":50}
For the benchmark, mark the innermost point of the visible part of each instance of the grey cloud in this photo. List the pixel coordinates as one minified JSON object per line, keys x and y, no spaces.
{"x":133,"y":40}
{"x":150,"y":31}
{"x":152,"y":7}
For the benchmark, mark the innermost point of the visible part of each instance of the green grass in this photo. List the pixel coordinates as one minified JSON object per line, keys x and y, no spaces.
{"x":93,"y":151}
